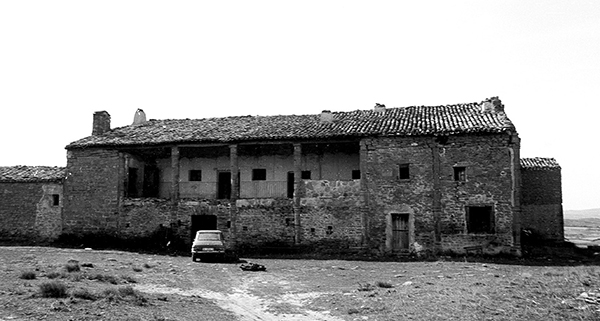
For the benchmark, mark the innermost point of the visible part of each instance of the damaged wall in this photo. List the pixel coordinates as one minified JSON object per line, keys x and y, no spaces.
{"x":542,"y":210}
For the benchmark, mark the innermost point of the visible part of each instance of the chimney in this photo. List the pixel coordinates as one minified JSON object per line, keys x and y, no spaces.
{"x":493,"y":104}
{"x":139,"y":117}
{"x":380,"y":108}
{"x":326,"y":116}
{"x":101,"y":123}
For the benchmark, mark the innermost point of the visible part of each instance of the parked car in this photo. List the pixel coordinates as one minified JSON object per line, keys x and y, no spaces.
{"x":208,"y":244}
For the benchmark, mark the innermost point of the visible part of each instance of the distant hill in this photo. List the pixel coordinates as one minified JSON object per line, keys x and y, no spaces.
{"x":579,"y":214}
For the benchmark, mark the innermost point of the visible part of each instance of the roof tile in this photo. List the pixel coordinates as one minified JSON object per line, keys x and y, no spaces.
{"x":31,"y":173}
{"x":539,"y":163}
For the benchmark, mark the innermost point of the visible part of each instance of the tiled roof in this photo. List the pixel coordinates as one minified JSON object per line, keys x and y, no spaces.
{"x":31,"y":173}
{"x":405,"y":121}
{"x":539,"y":163}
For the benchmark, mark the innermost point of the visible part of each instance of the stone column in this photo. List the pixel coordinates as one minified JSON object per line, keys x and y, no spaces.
{"x":364,"y":191}
{"x":175,"y":171}
{"x":437,"y":195}
{"x":297,"y":193}
{"x":235,"y":190}
{"x":515,"y":153}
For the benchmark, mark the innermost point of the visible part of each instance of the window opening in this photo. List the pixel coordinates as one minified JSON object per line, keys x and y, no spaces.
{"x":403,"y":171}
{"x":460,"y":173}
{"x":259,"y":174}
{"x":329,"y":230}
{"x":195,"y":175}
{"x":305,"y":175}
{"x":151,"y":181}
{"x":55,"y":199}
{"x":356,"y":174}
{"x":224,"y":185}
{"x":480,"y":220}
{"x":228,"y":224}
{"x":132,"y":178}
{"x":290,"y":184}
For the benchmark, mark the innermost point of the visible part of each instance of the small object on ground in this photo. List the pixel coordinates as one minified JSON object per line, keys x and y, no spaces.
{"x":253,"y":267}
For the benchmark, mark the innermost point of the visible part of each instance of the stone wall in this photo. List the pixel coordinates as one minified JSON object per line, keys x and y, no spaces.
{"x":330,"y":213}
{"x":434,"y":201}
{"x":264,"y":222}
{"x":93,"y":188}
{"x":27,"y":210}
{"x":542,"y":211}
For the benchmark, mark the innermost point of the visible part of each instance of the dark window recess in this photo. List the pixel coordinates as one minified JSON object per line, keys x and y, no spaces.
{"x":288,"y":221}
{"x":151,"y":181}
{"x":312,"y":230}
{"x":224,"y":185}
{"x":195,"y":175}
{"x":290,"y":185}
{"x":329,"y":230}
{"x":305,"y":175}
{"x":480,"y":220}
{"x":244,"y":228}
{"x":55,"y":199}
{"x":132,"y":180}
{"x":356,"y":174}
{"x":403,"y":171}
{"x":259,"y":174}
{"x":460,"y":174}
{"x":228,"y":224}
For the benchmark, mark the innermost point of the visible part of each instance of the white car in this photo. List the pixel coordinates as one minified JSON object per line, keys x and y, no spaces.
{"x":208,"y":243}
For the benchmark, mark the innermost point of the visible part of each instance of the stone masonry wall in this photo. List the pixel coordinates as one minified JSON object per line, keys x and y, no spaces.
{"x":330,"y":213}
{"x":489,"y":183}
{"x":542,"y":210}
{"x":27,"y":210}
{"x":264,"y":221}
{"x":92,"y":190}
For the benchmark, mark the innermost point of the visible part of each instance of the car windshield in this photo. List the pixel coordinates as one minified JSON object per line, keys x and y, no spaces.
{"x":208,"y":236}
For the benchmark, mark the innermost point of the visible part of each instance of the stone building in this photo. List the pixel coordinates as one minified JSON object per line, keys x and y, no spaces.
{"x":31,"y":202}
{"x":425,"y":178}
{"x":541,"y":204}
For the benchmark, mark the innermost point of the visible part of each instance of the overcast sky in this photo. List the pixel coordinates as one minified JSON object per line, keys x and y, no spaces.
{"x":60,"y":61}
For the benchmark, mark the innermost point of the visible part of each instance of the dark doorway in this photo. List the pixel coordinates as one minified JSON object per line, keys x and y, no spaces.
{"x":290,"y":185}
{"x":151,"y":181}
{"x":132,"y":178}
{"x":224,"y":185}
{"x":400,"y":232}
{"x":202,"y":222}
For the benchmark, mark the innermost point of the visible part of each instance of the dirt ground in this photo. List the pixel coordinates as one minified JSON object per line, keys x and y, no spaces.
{"x":113,"y":285}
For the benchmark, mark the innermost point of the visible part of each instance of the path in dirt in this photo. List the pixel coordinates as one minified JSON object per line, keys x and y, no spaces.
{"x":241,"y":300}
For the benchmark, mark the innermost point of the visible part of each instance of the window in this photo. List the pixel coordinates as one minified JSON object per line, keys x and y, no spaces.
{"x":195,"y":175}
{"x":460,"y":173}
{"x":305,"y":175}
{"x":356,"y":174}
{"x":55,"y":199}
{"x":403,"y":171}
{"x":329,"y":230}
{"x":259,"y":174}
{"x":480,"y":220}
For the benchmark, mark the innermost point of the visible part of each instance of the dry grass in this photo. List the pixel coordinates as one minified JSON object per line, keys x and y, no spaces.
{"x":27,"y":275}
{"x":53,"y":289}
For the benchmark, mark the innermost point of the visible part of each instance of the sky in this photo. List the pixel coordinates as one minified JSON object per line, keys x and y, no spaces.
{"x":60,"y":61}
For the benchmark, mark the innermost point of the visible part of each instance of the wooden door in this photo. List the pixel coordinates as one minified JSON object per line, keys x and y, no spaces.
{"x":399,"y":232}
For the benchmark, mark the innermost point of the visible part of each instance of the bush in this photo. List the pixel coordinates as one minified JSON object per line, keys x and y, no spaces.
{"x":53,"y":289}
{"x":84,"y":294}
{"x":27,"y":275}
{"x":54,"y":275}
{"x":386,"y":285}
{"x":365,"y":287}
{"x":125,"y":292}
{"x":104,"y":278}
{"x":72,"y":266}
{"x":128,"y":279}
{"x":137,"y":269}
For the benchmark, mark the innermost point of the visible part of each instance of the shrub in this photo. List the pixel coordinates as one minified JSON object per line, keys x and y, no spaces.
{"x":137,"y":269}
{"x":84,"y":294}
{"x":72,"y":266}
{"x":125,"y":292}
{"x":27,"y":275}
{"x":104,"y":278}
{"x":128,"y":279}
{"x":365,"y":287}
{"x":54,"y":275}
{"x":148,"y":266}
{"x":53,"y":289}
{"x":386,"y":285}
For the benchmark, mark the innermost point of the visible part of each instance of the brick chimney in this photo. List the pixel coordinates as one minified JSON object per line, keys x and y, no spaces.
{"x":326,"y":116}
{"x":101,"y":123}
{"x":493,"y":104}
{"x":139,"y":117}
{"x":379,"y":108}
